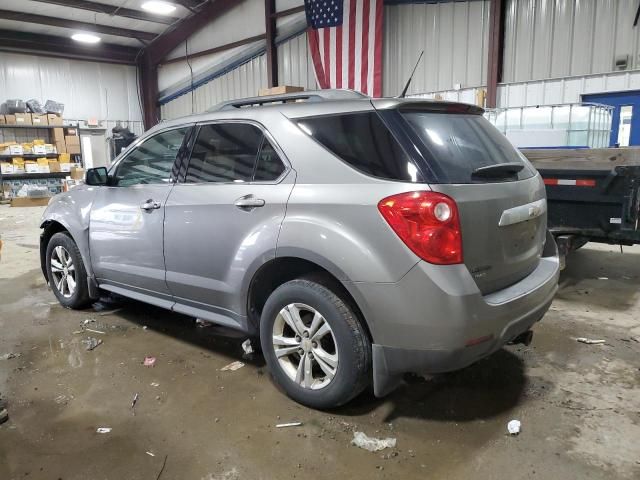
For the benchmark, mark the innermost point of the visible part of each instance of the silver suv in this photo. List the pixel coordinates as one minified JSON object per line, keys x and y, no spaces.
{"x":359,"y":239}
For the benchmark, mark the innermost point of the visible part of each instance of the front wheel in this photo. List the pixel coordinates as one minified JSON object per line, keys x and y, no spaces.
{"x":316,"y":348}
{"x":66,"y":272}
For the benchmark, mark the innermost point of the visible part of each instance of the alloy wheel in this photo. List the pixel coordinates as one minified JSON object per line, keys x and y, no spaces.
{"x":63,"y":272}
{"x":305,"y":346}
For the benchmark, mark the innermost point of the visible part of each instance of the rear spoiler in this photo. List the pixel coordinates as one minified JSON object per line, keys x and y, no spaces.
{"x":426,"y":105}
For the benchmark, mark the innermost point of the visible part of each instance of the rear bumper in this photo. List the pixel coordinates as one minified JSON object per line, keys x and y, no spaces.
{"x":436,"y":320}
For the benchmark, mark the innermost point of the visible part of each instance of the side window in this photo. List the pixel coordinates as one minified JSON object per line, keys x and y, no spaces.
{"x":151,"y":161}
{"x":269,"y":166}
{"x":224,"y":153}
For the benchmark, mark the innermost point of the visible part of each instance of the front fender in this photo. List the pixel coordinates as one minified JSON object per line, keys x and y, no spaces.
{"x":72,"y":211}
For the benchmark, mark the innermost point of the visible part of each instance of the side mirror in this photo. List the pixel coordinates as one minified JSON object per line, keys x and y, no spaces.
{"x":97,"y":176}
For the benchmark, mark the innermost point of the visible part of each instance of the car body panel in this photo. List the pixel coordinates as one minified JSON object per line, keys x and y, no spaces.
{"x":126,"y":241}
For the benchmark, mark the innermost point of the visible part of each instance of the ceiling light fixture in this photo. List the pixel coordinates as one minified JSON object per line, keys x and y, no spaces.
{"x":85,"y":37}
{"x":158,"y":7}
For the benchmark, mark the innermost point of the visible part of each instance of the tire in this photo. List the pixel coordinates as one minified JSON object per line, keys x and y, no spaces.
{"x":60,"y":249}
{"x":346,"y":344}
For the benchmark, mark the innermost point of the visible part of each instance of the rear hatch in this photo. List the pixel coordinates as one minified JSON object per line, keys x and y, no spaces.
{"x":500,"y":198}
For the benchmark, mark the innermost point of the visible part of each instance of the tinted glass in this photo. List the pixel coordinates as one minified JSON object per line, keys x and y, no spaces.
{"x":269,"y":166}
{"x":224,"y":153}
{"x":363,"y":141}
{"x":460,"y":143}
{"x":152,"y":160}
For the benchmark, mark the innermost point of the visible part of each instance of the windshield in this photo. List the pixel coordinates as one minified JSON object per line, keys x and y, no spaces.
{"x":456,"y":144}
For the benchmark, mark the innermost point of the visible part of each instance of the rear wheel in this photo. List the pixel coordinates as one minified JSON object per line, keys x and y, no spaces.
{"x":66,"y":272}
{"x":314,"y":345}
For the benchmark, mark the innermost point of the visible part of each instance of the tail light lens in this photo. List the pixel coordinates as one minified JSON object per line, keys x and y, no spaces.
{"x":428,"y":223}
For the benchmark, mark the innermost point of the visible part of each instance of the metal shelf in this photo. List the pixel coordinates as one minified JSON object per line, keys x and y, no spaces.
{"x":32,"y":126}
{"x":30,"y":156}
{"x":31,"y":176}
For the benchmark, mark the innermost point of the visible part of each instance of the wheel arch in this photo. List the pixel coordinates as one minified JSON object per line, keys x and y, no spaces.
{"x":280,"y":270}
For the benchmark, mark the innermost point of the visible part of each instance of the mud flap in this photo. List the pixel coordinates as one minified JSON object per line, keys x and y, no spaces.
{"x":383,"y":382}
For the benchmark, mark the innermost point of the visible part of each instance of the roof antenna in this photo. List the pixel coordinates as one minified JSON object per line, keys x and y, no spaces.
{"x":406,"y":87}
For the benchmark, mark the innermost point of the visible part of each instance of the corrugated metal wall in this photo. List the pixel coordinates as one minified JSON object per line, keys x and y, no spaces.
{"x":560,"y":38}
{"x":295,"y":66}
{"x":87,"y":89}
{"x":454,"y":37}
{"x":244,"y":81}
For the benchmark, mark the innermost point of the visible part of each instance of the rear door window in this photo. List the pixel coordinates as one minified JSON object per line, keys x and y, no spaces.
{"x":224,"y":153}
{"x":364,"y":142}
{"x":458,"y":143}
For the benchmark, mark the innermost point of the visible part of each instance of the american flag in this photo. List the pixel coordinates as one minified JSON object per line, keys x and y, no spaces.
{"x":345,"y":40}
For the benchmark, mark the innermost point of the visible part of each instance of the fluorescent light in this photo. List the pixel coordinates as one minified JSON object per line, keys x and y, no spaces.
{"x":85,"y":38}
{"x":158,"y":7}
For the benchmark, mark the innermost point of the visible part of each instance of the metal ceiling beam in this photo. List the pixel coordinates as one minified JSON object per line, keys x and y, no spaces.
{"x":190,"y":4}
{"x":166,"y":42}
{"x":60,"y":47}
{"x":111,"y":10}
{"x":496,"y":51}
{"x":270,"y":34}
{"x":75,"y":25}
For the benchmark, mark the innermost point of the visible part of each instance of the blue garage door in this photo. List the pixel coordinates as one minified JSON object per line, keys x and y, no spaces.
{"x":625,"y":124}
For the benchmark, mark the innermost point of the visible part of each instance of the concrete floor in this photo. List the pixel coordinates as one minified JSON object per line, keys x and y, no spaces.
{"x":579,"y":404}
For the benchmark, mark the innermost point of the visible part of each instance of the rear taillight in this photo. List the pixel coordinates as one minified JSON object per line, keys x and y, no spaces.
{"x":428,"y":223}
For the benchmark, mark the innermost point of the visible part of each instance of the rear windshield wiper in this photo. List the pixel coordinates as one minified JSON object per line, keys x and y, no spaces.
{"x":499,"y":170}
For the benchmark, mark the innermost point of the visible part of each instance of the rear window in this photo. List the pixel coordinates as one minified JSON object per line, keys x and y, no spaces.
{"x":363,"y":141}
{"x":457,"y":144}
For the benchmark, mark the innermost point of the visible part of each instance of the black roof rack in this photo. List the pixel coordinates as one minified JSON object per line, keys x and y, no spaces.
{"x":309,"y":96}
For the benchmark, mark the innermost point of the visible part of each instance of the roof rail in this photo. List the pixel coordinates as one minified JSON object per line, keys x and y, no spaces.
{"x":308,"y":96}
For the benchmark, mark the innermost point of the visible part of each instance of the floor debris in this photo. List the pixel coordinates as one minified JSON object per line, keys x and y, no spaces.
{"x":94,"y":331}
{"x":513,"y":427}
{"x":109,"y":312}
{"x":151,"y":454}
{"x":590,"y":341}
{"x":164,"y":463}
{"x":155,"y":384}
{"x":290,"y":424}
{"x":149,"y":361}
{"x":247,"y":347}
{"x":4,"y":414}
{"x":232,"y":367}
{"x":103,"y":430}
{"x":91,"y":343}
{"x":360,"y":439}
{"x":10,"y":355}
{"x":135,"y":400}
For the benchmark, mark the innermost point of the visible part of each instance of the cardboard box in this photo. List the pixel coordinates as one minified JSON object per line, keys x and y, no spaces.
{"x":54,"y":119}
{"x":77,"y":173}
{"x":58,"y":135}
{"x":18,"y":165}
{"x":43,"y":165}
{"x":38,"y":119}
{"x":73,"y":149}
{"x":64,"y":157}
{"x":71,"y":132}
{"x":30,"y":167}
{"x":6,"y":168}
{"x":54,"y":166}
{"x":71,"y":140}
{"x":30,"y":201}
{"x":61,"y":147}
{"x":66,"y":166}
{"x":39,"y":150}
{"x":10,"y":119}
{"x":23,"y":118}
{"x":3,"y":121}
{"x":50,"y":148}
{"x":12,"y":150}
{"x":279,"y":90}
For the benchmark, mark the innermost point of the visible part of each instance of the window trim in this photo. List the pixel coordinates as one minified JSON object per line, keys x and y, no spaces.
{"x":113,"y":170}
{"x":181,"y":180}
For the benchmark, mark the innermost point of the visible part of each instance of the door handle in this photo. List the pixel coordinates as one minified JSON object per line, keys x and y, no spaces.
{"x":150,"y":205}
{"x":249,"y":202}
